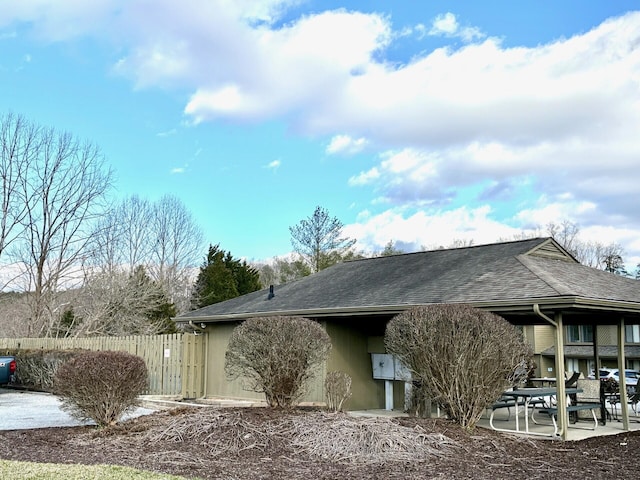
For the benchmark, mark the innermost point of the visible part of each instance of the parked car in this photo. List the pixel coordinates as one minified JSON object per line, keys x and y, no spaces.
{"x":631,"y":376}
{"x":7,"y":369}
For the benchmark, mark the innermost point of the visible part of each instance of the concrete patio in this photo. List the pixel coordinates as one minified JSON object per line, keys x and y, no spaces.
{"x":577,"y":431}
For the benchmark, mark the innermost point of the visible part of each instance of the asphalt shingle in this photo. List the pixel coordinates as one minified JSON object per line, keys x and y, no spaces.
{"x":527,"y":269}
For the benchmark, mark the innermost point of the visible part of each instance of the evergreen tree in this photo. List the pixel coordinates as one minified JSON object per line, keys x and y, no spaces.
{"x":318,"y":240}
{"x":223,"y":277}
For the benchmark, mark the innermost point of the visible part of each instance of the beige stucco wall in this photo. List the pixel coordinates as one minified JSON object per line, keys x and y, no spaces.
{"x":217,"y":384}
{"x":350,"y":354}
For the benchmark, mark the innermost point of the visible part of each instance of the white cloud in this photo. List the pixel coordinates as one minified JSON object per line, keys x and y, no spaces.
{"x":180,"y":170}
{"x":447,"y":25}
{"x":559,"y":117}
{"x":365,"y":178}
{"x":167,"y":133}
{"x":444,"y":24}
{"x":274,"y":165}
{"x":419,"y":229}
{"x":346,"y":145}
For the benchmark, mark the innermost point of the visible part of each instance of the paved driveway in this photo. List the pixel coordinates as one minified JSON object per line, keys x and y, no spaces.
{"x":22,"y":410}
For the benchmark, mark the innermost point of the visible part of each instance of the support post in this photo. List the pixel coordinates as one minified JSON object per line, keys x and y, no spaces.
{"x":596,"y":349}
{"x":624,"y":405}
{"x":561,"y":393}
{"x":388,"y":394}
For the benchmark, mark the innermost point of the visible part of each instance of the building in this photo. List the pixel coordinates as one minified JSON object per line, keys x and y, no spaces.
{"x":534,"y":283}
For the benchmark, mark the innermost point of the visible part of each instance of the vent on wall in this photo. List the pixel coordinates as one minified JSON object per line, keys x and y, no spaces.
{"x":551,"y":250}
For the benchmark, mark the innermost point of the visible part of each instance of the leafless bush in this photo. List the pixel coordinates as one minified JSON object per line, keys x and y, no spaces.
{"x":419,"y":401}
{"x":466,"y":357}
{"x":37,"y":368}
{"x":337,"y":386}
{"x":276,"y":356}
{"x":101,"y":386}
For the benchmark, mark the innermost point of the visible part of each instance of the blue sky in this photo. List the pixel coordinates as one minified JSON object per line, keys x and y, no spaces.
{"x":417,"y":122}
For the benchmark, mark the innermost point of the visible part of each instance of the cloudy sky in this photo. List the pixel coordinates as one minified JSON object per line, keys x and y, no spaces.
{"x":417,"y":122}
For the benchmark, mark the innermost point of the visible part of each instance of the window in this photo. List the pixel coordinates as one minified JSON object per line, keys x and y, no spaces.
{"x":579,"y":333}
{"x":573,"y":365}
{"x":632,"y":333}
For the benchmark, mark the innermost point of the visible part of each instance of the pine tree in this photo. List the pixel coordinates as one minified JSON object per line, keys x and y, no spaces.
{"x":223,"y":277}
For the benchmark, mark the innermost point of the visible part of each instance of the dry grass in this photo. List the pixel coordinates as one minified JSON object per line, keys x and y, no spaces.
{"x":365,"y":440}
{"x":336,"y":437}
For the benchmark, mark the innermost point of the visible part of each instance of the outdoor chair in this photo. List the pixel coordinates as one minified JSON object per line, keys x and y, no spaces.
{"x":592,"y":394}
{"x":611,"y":394}
{"x":571,"y":381}
{"x":634,"y":399}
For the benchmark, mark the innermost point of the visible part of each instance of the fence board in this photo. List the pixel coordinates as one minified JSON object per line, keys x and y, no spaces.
{"x":175,"y":362}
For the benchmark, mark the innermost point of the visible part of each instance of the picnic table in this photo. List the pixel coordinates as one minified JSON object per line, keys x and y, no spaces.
{"x":526,"y":397}
{"x":549,"y":381}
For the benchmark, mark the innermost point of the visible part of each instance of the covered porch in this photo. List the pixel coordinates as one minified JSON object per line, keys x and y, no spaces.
{"x":560,"y":313}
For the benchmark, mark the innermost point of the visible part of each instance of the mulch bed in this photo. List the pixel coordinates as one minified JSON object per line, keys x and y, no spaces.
{"x":261,"y":443}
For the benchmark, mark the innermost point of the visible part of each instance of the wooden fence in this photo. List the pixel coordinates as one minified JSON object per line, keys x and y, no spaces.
{"x":175,"y":362}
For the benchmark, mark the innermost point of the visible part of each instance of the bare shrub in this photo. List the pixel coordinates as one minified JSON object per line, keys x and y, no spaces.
{"x":276,"y":356}
{"x":464,"y":356}
{"x":101,"y":386}
{"x":419,"y":401}
{"x":36,"y":369}
{"x":337,"y":386}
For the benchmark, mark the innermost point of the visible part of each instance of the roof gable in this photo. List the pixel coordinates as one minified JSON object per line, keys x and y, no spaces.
{"x":551,"y":249}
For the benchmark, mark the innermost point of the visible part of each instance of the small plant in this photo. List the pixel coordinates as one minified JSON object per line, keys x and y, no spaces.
{"x":337,"y":387}
{"x":276,"y":356}
{"x":101,"y":386}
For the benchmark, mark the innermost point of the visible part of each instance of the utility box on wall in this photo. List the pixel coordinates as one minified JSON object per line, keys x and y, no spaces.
{"x":388,"y":368}
{"x":383,"y":366}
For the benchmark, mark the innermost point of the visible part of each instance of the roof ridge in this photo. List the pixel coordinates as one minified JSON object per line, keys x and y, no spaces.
{"x":530,"y":265}
{"x":450,"y":249}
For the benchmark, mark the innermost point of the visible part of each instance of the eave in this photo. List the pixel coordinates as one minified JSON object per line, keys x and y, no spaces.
{"x":568,"y":304}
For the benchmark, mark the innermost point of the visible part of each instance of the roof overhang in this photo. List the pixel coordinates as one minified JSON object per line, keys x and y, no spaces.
{"x":576,"y":309}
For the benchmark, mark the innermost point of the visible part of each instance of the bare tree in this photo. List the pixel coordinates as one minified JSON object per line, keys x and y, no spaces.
{"x":566,"y":234}
{"x":18,"y":149}
{"x":65,"y":182}
{"x":135,"y":215}
{"x":14,"y":308}
{"x":176,"y":240}
{"x":282,"y":270}
{"x":122,"y":239}
{"x":162,"y":237}
{"x":115,"y":304}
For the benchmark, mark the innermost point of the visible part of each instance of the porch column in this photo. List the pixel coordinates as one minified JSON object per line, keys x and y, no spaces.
{"x":596,"y":355}
{"x":388,"y":394}
{"x":561,"y":394}
{"x":622,"y":365}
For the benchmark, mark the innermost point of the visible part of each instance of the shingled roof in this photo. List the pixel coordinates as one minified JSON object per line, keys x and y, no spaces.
{"x":506,"y":275}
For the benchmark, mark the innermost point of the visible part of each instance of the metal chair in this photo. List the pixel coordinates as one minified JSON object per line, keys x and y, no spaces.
{"x":571,"y":381}
{"x":592,"y":394}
